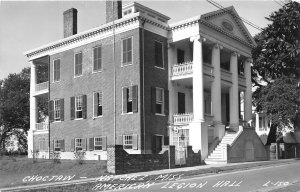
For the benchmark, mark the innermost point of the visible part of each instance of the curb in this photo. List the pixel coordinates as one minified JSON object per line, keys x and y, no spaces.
{"x":206,"y":171}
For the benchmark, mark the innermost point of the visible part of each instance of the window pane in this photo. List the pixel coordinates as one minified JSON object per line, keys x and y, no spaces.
{"x":158,"y":54}
{"x":159,"y":95}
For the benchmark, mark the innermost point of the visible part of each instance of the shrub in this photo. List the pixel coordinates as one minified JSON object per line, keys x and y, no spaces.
{"x":35,"y":156}
{"x":79,"y":156}
{"x":55,"y":156}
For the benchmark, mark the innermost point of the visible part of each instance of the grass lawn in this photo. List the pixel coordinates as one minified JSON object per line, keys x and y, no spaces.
{"x":12,"y":172}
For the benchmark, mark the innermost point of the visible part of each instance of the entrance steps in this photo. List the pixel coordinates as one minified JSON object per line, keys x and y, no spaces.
{"x":218,"y":155}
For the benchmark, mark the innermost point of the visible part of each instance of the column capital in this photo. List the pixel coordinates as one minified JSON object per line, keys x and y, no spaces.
{"x":234,"y":53}
{"x":198,"y":38}
{"x":218,"y":46}
{"x":170,"y":45}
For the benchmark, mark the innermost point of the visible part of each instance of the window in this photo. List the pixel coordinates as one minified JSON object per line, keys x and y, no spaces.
{"x":78,"y":144}
{"x":127,"y":51}
{"x":56,"y":110}
{"x":57,"y":145}
{"x":97,"y":59}
{"x":159,"y":103}
{"x":56,"y":70}
{"x":78,"y":64}
{"x":97,"y":104}
{"x":43,"y":145}
{"x":180,"y":56}
{"x":130,"y":99}
{"x":78,"y":107}
{"x":127,"y":12}
{"x":98,"y":143}
{"x":159,"y":55}
{"x":128,"y":142}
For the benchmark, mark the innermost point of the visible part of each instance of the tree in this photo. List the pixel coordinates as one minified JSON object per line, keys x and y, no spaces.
{"x":14,"y":105}
{"x":276,"y":69}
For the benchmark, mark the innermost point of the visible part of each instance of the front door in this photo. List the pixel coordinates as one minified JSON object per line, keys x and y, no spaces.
{"x":157,"y":142}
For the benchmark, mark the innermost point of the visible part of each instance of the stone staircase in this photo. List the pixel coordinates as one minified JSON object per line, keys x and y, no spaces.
{"x":218,"y":155}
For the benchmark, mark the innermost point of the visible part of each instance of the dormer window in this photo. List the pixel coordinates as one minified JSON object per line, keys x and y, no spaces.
{"x":127,"y":12}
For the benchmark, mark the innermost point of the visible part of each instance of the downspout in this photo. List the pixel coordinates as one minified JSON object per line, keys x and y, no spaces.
{"x":49,"y":68}
{"x":115,"y":113}
{"x":143,"y":60}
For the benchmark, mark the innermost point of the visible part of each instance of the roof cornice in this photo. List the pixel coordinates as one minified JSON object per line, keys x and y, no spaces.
{"x":93,"y":32}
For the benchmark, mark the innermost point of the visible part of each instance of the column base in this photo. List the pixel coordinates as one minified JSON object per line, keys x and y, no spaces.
{"x":198,"y":138}
{"x":234,"y":126}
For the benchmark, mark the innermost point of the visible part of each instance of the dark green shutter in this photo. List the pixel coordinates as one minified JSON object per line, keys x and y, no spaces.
{"x":120,"y":140}
{"x":51,"y":111}
{"x":84,"y":107}
{"x":95,"y":104}
{"x":166,"y":140}
{"x":135,"y":141}
{"x":72,"y":107}
{"x":62,"y":145}
{"x":62,"y":109}
{"x":153,"y":144}
{"x":153,"y":99}
{"x":104,"y":144}
{"x":91,"y":144}
{"x":124,"y":99}
{"x":84,"y":144}
{"x":72,"y":145}
{"x":166,"y":100}
{"x":52,"y":145}
{"x":134,"y":98}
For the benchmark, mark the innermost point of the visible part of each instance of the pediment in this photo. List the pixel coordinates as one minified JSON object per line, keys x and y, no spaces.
{"x":229,"y":21}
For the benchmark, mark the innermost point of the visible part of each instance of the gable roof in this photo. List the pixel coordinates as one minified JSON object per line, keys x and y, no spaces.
{"x":230,"y":16}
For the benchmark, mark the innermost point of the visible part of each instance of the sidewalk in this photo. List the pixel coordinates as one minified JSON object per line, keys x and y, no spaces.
{"x":186,"y":172}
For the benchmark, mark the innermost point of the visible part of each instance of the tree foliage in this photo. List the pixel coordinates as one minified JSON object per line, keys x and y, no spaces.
{"x":276,"y":68}
{"x":14,"y":105}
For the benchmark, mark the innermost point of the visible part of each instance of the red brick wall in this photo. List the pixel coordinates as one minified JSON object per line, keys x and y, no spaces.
{"x":101,"y":81}
{"x":154,"y":77}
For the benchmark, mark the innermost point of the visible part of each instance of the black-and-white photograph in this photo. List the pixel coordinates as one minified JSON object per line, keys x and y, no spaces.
{"x":151,"y":96}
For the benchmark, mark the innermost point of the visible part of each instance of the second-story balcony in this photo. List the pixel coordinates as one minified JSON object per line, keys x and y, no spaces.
{"x":41,"y":88}
{"x":185,"y":70}
{"x":41,"y":126}
{"x":182,"y":119}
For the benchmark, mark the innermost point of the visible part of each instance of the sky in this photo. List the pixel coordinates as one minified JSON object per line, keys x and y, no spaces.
{"x":25,"y":25}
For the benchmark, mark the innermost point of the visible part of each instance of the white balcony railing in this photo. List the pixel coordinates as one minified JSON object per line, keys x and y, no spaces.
{"x":184,"y":118}
{"x":182,"y":68}
{"x":41,"y":126}
{"x":41,"y":86}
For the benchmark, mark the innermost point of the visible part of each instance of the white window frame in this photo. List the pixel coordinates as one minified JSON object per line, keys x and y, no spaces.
{"x":78,"y":141}
{"x":160,"y":102}
{"x":128,"y":100}
{"x":57,"y":145}
{"x":128,"y":141}
{"x":54,"y":70}
{"x":75,"y":64}
{"x":163,"y":57}
{"x":77,"y":110}
{"x":98,"y":70}
{"x":57,"y":101}
{"x":94,"y":112}
{"x":101,"y":141}
{"x":122,"y":61}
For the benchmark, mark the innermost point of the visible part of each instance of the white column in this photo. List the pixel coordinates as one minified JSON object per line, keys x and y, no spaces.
{"x":219,"y":129}
{"x":198,"y":129}
{"x":248,"y":92}
{"x":33,"y":108}
{"x":172,"y":94}
{"x":234,"y":93}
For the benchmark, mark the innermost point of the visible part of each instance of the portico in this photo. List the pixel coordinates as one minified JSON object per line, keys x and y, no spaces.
{"x":207,"y":76}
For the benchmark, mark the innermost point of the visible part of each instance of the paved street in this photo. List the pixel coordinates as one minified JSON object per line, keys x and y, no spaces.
{"x":246,"y":180}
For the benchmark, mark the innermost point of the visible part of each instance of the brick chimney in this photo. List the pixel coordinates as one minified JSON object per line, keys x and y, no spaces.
{"x":113,"y":10}
{"x":70,"y":22}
